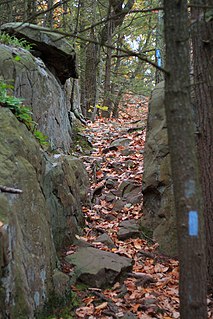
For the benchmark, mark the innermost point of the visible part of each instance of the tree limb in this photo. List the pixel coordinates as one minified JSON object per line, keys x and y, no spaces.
{"x":5,"y":189}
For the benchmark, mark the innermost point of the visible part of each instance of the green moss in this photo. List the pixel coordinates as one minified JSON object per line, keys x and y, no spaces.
{"x":60,"y":307}
{"x":146,"y":233}
{"x":80,"y":141}
{"x":81,"y":287}
{"x":3,"y":209}
{"x":22,"y":112}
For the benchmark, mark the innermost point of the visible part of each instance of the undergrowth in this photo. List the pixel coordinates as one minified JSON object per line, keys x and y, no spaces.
{"x":22,"y":112}
{"x":60,"y":307}
{"x":12,"y":40}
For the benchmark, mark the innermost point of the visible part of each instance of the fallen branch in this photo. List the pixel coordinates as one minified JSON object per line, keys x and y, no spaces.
{"x":5,"y":189}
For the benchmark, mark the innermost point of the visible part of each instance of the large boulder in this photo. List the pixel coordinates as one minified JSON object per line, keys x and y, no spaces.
{"x":41,"y":91}
{"x":36,"y":222}
{"x":50,"y":46}
{"x":44,"y":211}
{"x":158,"y":210}
{"x":27,"y":247}
{"x":98,"y":268}
{"x":65,"y":186}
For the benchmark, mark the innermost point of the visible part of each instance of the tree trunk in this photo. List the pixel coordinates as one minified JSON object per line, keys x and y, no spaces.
{"x":202,"y":39}
{"x":184,"y":164}
{"x":160,"y":52}
{"x":90,"y":75}
{"x":107,"y":79}
{"x":49,"y":15}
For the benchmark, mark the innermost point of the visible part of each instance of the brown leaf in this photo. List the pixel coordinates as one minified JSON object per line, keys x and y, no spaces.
{"x":101,"y":306}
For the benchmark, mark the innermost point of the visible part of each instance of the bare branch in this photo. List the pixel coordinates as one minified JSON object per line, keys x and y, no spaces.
{"x":5,"y":189}
{"x":129,"y":53}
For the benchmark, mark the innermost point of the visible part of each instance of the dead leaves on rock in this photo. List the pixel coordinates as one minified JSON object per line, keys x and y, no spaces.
{"x":151,"y":289}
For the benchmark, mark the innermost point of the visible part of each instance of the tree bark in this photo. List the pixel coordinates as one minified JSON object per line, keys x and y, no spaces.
{"x":90,"y":75}
{"x":107,"y":79}
{"x":184,"y":164}
{"x":202,"y":40}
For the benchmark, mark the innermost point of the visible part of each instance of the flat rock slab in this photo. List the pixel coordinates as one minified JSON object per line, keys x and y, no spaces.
{"x":121,"y":142}
{"x":128,"y":229}
{"x":98,"y":268}
{"x":49,"y":45}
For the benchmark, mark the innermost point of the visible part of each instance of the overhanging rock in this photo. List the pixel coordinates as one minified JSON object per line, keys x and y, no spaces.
{"x":54,"y":50}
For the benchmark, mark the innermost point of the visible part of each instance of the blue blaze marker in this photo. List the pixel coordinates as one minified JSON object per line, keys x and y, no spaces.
{"x":158,"y":56}
{"x":193,"y":223}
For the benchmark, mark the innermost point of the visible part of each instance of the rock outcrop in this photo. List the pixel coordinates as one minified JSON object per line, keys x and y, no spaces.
{"x":158,"y":209}
{"x":50,"y":46}
{"x":27,"y":246}
{"x":65,"y":186}
{"x":37,"y":222}
{"x":41,"y":91}
{"x":46,"y":214}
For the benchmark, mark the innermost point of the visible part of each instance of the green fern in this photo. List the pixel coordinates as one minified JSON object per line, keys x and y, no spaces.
{"x":22,"y":112}
{"x":12,"y":40}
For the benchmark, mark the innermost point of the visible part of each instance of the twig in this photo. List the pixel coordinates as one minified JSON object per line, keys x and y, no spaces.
{"x":5,"y":189}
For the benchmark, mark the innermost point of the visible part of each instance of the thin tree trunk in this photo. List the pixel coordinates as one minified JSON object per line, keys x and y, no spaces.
{"x":159,"y":54}
{"x":107,"y":80}
{"x":184,"y":164}
{"x":91,"y":75}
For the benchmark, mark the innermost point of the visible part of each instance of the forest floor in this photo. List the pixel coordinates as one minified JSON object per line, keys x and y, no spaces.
{"x":151,"y":289}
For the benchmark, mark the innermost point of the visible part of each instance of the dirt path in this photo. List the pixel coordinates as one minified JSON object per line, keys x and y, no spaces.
{"x":115,"y":168}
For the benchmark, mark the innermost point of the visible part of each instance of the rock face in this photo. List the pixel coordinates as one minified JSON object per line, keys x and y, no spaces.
{"x":29,"y":253}
{"x":65,"y":188}
{"x":41,"y":91}
{"x":38,"y":221}
{"x":47,"y":214}
{"x":159,"y":214}
{"x":50,"y":46}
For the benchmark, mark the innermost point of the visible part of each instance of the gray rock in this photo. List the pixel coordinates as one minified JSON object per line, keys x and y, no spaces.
{"x":65,"y":186}
{"x":121,"y":142}
{"x":158,"y":209}
{"x":46,"y":214}
{"x":41,"y":92}
{"x":129,"y":315}
{"x":109,"y":197}
{"x":128,"y":229}
{"x":111,"y":182}
{"x":54,"y":50}
{"x":98,"y":268}
{"x":130,"y":192}
{"x":61,"y":283}
{"x":105,"y":239}
{"x":118,"y":204}
{"x":48,"y":211}
{"x":31,"y":257}
{"x":127,"y":152}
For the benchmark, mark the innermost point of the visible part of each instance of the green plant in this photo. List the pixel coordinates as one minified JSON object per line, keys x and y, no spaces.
{"x":12,"y":40}
{"x":60,"y":307}
{"x":41,"y":137}
{"x":22,"y":112}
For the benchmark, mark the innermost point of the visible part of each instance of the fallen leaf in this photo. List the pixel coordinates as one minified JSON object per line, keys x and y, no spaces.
{"x":101,"y":306}
{"x":83,"y":312}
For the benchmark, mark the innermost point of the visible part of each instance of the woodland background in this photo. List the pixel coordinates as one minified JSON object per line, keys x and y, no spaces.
{"x":120,"y":48}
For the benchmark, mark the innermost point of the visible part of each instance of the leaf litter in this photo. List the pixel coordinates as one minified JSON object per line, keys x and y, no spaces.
{"x":151,"y":289}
